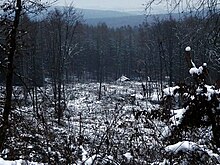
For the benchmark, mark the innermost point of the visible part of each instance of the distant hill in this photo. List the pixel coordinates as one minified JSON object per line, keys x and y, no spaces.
{"x":112,"y":18}
{"x":94,"y":14}
{"x":118,"y":19}
{"x":133,"y":20}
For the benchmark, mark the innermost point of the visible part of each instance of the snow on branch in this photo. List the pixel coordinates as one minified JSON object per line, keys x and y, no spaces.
{"x":170,"y":91}
{"x":197,"y":71}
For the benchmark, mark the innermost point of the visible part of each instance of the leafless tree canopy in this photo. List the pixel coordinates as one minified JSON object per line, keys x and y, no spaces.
{"x":211,"y":6}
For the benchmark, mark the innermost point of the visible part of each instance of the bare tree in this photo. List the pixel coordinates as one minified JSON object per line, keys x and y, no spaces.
{"x":208,"y":12}
{"x":101,"y":37}
{"x":10,"y":19}
{"x":184,"y":5}
{"x":62,"y":48}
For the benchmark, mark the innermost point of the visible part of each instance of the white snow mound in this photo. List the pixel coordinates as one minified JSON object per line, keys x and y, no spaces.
{"x":182,"y":146}
{"x":188,"y":48}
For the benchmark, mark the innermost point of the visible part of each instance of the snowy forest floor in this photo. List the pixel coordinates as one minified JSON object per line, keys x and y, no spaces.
{"x":124,"y":127}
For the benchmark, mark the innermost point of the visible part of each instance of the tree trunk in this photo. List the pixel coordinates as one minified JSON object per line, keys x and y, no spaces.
{"x":9,"y":75}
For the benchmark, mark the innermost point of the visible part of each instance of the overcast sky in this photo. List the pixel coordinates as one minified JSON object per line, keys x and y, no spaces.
{"x":126,"y":5}
{"x":122,"y":5}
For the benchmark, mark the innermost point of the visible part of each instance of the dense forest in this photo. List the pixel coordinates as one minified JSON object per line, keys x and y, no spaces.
{"x":61,"y":46}
{"x":63,"y":102}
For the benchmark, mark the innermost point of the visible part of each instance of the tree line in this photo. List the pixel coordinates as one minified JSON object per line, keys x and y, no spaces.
{"x":62,"y":48}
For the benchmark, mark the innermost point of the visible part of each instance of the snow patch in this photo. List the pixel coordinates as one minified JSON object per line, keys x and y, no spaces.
{"x":188,"y":49}
{"x":84,"y":153}
{"x":178,"y":115}
{"x":182,"y":146}
{"x":170,"y":90}
{"x":18,"y":162}
{"x":195,"y":70}
{"x":128,"y":156}
{"x":209,"y":92}
{"x":91,"y":160}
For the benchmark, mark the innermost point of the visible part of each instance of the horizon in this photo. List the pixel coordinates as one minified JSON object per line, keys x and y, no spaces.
{"x":127,"y":5}
{"x":124,"y":5}
{"x":113,"y":5}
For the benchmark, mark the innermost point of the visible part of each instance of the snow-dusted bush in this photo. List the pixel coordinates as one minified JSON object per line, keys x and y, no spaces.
{"x":190,"y":110}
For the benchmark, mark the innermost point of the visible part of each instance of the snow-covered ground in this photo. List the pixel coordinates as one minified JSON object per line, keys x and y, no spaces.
{"x":90,"y":118}
{"x":18,"y":162}
{"x":117,"y":129}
